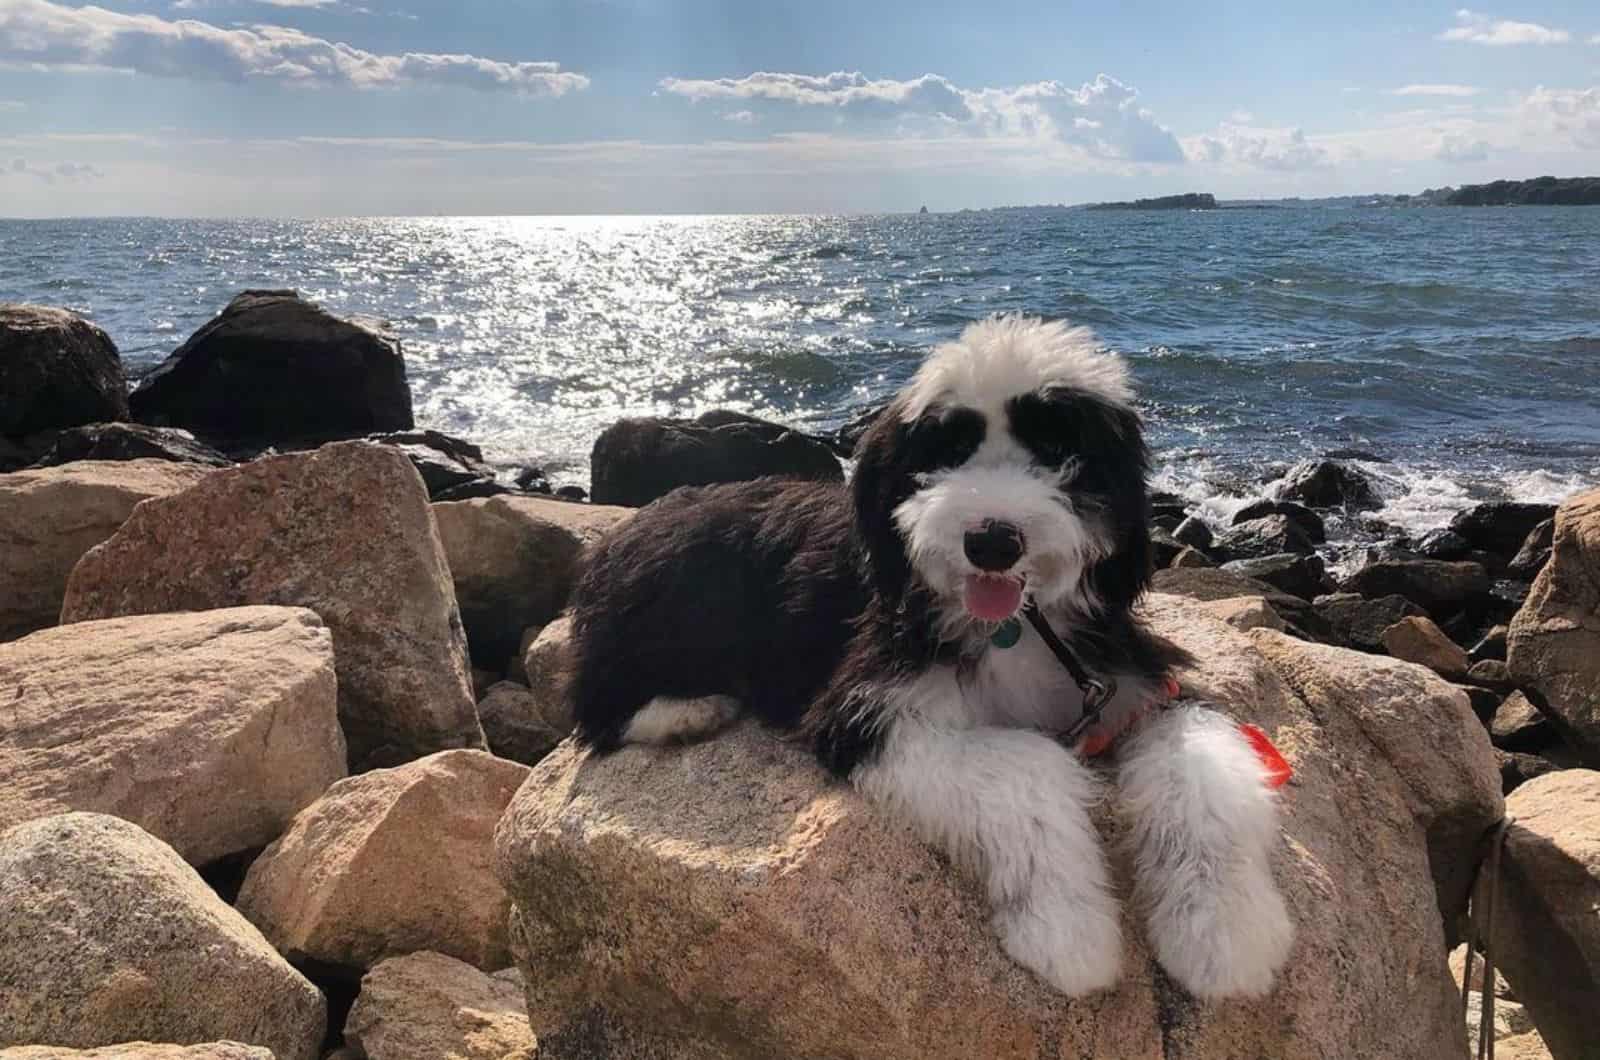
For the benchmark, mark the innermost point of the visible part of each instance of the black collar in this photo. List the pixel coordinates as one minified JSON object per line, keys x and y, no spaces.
{"x":1096,"y":693}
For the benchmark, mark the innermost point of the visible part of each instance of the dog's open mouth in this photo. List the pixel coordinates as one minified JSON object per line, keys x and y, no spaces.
{"x":993,"y":597}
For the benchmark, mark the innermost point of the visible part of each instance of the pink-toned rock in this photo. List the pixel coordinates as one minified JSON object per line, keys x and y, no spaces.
{"x":389,"y":863}
{"x":140,"y":1051}
{"x":345,"y":531}
{"x":1416,"y":639}
{"x":208,"y":729}
{"x":430,"y":1005}
{"x":514,"y":561}
{"x":727,"y":899}
{"x":108,"y":936}
{"x":51,"y":516}
{"x":1554,"y":643}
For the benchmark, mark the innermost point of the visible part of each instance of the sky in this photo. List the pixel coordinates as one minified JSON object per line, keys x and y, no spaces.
{"x":342,"y":107}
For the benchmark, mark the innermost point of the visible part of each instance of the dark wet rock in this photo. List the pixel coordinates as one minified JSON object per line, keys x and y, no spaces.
{"x":1173,"y":511}
{"x":1534,"y":553}
{"x":1266,"y":536}
{"x":532,"y":480}
{"x":1437,"y":586}
{"x":847,"y":436}
{"x":1519,"y":767}
{"x":1501,"y":526}
{"x":1492,"y":645}
{"x":637,"y":460}
{"x":478,"y":487}
{"x":457,"y":449}
{"x":1169,"y":523}
{"x":56,"y":370}
{"x":1359,"y":622}
{"x":1164,"y":547}
{"x":1363,"y":455}
{"x":129,"y":441}
{"x":1328,"y":484}
{"x":273,"y":366}
{"x":572,"y":493}
{"x":1518,"y":725}
{"x":1191,"y":557}
{"x":1296,"y":574}
{"x":1165,"y":497}
{"x":1444,"y":544}
{"x":1485,"y":701}
{"x":1193,"y":531}
{"x":1309,"y":522}
{"x":513,"y":725}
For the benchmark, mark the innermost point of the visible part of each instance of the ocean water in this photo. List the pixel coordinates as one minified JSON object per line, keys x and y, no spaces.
{"x":1462,"y":346}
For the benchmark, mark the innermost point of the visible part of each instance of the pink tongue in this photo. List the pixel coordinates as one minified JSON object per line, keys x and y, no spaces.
{"x":993,"y":599}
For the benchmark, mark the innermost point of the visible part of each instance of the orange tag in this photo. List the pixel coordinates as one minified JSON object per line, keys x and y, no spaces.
{"x":1278,"y":769}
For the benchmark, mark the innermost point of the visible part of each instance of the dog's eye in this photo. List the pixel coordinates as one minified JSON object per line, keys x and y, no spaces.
{"x":945,"y":438}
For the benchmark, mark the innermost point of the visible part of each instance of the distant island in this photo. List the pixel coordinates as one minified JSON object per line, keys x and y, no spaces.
{"x":1540,"y":191}
{"x":1194,"y":200}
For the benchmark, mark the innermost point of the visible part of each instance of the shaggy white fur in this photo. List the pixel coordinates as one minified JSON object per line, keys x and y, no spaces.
{"x":996,"y":359}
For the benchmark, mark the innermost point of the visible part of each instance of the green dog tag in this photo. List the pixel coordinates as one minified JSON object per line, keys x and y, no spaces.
{"x":1007,"y":633}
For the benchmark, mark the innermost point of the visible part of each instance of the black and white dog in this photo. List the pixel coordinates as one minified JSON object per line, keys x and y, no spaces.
{"x":883,"y":621}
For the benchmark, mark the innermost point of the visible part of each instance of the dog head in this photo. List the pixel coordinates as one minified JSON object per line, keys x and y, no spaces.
{"x":1011,"y":468}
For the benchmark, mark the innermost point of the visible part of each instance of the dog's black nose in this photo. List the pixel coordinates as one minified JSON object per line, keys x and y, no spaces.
{"x":996,"y":547}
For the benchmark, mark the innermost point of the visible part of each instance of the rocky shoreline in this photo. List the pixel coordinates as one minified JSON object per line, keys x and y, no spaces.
{"x":282,"y":761}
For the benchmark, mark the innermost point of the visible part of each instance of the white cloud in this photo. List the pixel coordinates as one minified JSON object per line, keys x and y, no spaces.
{"x":743,"y":117}
{"x":1276,"y":149}
{"x":12,"y":104}
{"x":1574,"y":113}
{"x":1102,"y":118}
{"x":69,"y":172}
{"x":1434,"y":90}
{"x":928,"y":94}
{"x":1595,"y":39}
{"x":190,"y":5}
{"x":1461,"y":149}
{"x":42,"y":33}
{"x":1474,"y":27}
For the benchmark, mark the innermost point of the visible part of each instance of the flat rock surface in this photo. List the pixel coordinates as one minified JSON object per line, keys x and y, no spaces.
{"x":433,"y":1006}
{"x":210,"y":729}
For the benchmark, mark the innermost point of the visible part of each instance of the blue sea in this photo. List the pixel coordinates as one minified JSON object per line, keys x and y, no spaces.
{"x":1460,"y":345}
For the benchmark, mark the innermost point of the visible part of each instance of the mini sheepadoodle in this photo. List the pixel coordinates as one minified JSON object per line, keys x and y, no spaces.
{"x":937,"y":630}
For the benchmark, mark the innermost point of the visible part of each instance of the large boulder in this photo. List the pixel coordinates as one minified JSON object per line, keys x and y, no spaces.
{"x":513,"y":561}
{"x":129,"y":441}
{"x":1204,"y":584}
{"x":272,"y":366}
{"x":101,"y":709}
{"x":345,"y":531}
{"x":728,"y":899}
{"x":635,"y":461}
{"x":140,"y":1051}
{"x":445,"y":463}
{"x":56,"y":370}
{"x":1439,"y":587}
{"x":1546,"y":931}
{"x":108,"y":936}
{"x":1534,"y":552}
{"x":430,"y":1005}
{"x":1553,"y":646}
{"x":1328,"y":484}
{"x":1518,"y":725}
{"x":388,"y":863}
{"x":1500,"y":527}
{"x":50,"y":517}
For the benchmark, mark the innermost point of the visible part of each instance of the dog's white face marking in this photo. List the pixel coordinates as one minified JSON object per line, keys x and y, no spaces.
{"x":998,"y":522}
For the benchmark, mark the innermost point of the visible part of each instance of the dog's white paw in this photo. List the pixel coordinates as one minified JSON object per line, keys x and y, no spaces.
{"x":1227,"y":939}
{"x":1075,"y":948}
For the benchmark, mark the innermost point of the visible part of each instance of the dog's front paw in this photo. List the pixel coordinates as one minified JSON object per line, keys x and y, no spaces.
{"x":1224,"y":940}
{"x":1075,"y":948}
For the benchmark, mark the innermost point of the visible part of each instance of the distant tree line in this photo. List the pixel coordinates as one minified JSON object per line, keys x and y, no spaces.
{"x":1194,"y":200}
{"x":1540,"y":191}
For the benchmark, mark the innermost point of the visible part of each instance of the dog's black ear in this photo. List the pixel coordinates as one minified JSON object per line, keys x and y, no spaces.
{"x":1116,"y":471}
{"x":881,"y":483}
